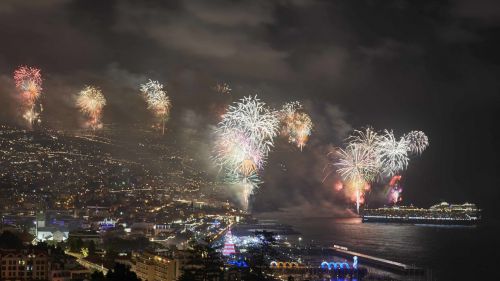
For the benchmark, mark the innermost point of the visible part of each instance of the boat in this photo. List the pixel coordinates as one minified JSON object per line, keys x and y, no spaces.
{"x":439,"y":214}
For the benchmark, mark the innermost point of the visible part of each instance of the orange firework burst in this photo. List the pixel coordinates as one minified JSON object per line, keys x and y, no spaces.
{"x":296,"y":125}
{"x":248,"y":167}
{"x":91,"y":102}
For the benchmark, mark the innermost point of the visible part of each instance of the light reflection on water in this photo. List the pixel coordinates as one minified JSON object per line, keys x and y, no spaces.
{"x":452,"y":252}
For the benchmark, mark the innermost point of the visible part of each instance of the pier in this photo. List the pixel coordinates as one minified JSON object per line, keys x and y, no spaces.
{"x":379,"y":262}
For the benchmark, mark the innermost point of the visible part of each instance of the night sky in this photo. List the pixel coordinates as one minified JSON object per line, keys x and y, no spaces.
{"x":402,"y":65}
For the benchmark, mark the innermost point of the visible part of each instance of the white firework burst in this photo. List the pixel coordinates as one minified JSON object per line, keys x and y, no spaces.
{"x":244,"y":138}
{"x":417,"y":142}
{"x":356,"y":163}
{"x":157,"y":100}
{"x":368,"y":139}
{"x":392,"y":153}
{"x":254,"y":120}
{"x":357,"y":166}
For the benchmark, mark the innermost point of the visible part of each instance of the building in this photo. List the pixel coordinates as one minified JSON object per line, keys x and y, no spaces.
{"x":23,"y":265}
{"x":66,"y":269}
{"x":152,"y":267}
{"x":228,"y":244}
{"x":143,"y":228}
{"x":162,"y":228}
{"x":69,"y":274}
{"x":86,"y":236}
{"x":40,"y":219}
{"x":107,"y":224}
{"x":57,"y":234}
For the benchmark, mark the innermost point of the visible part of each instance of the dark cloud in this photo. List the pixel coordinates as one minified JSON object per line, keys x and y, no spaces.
{"x":427,"y":65}
{"x":485,"y":11}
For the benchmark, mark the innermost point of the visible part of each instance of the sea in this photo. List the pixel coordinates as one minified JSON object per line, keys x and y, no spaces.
{"x":447,"y":252}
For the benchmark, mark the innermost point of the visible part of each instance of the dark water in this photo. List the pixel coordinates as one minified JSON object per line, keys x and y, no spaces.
{"x":451,"y":252}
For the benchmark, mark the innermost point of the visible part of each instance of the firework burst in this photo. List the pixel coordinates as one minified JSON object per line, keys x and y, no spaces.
{"x":244,"y":138}
{"x":91,"y":101}
{"x":297,"y":125}
{"x":222,"y":88}
{"x":157,"y":100}
{"x":356,"y":165}
{"x":28,"y":81}
{"x":392,"y":153}
{"x":370,"y":156}
{"x":417,"y":142}
{"x":367,"y":141}
{"x":394,"y":190}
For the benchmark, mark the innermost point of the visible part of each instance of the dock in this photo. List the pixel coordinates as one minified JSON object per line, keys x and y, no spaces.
{"x":379,"y":262}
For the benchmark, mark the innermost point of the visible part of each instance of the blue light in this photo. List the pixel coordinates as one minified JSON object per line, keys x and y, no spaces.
{"x":336,"y":265}
{"x":240,"y":263}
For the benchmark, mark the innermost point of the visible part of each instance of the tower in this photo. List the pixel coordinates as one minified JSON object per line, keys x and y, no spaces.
{"x":40,"y":219}
{"x":228,"y":244}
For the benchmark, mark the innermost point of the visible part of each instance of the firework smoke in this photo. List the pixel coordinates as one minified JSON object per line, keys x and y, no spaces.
{"x":91,"y":101}
{"x":157,"y":100}
{"x":296,"y":125}
{"x":244,"y":138}
{"x":28,"y":81}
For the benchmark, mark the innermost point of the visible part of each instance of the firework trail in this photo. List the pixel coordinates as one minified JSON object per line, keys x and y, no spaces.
{"x":28,"y":81}
{"x":417,"y":142}
{"x":157,"y":100}
{"x":392,"y":153}
{"x":244,"y":138}
{"x":91,"y":101}
{"x":297,"y":125}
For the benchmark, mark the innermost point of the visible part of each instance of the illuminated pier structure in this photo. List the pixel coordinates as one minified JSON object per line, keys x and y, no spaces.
{"x":378,"y":262}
